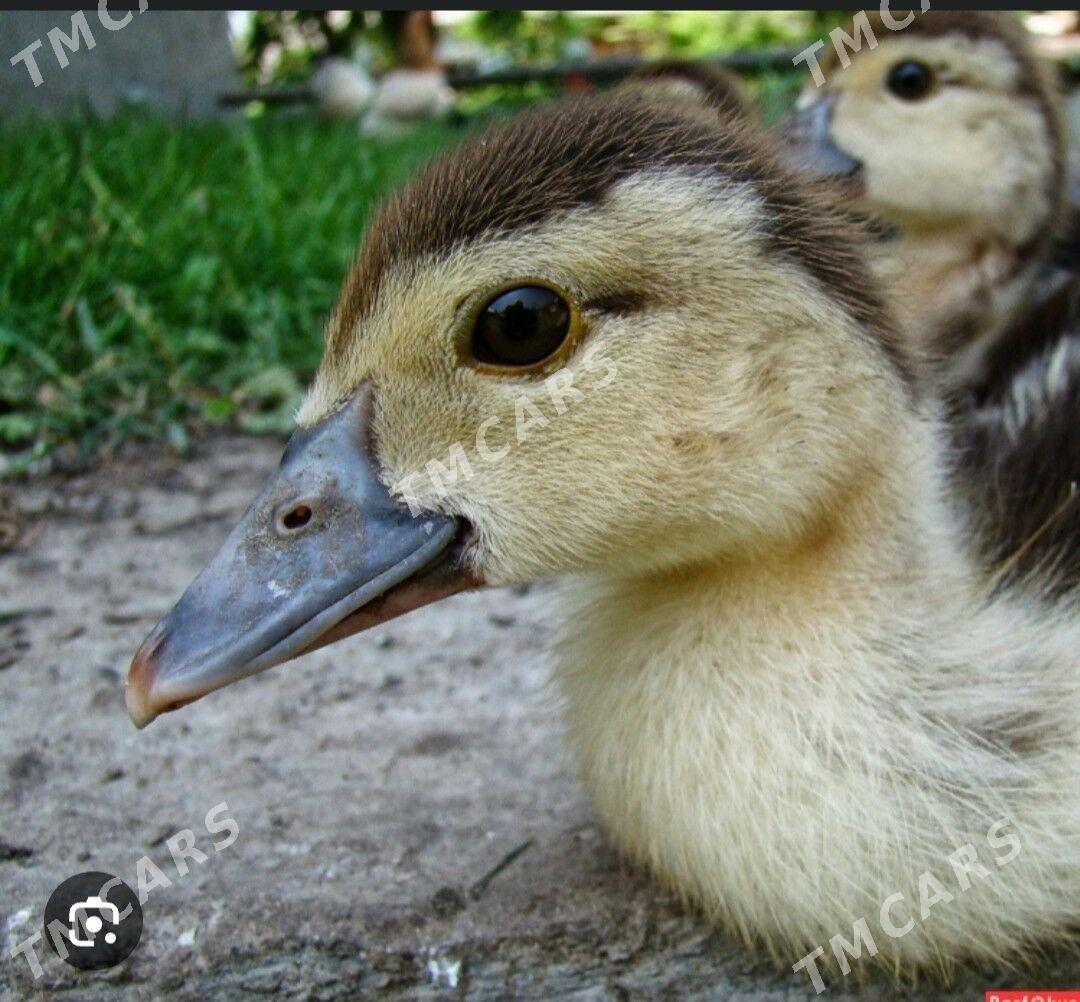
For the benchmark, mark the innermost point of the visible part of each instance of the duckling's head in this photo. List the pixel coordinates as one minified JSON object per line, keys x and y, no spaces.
{"x":950,"y":123}
{"x":614,"y":337}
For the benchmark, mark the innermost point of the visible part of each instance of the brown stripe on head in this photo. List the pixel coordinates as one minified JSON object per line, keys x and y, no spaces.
{"x":1036,"y":80}
{"x":521,"y":173}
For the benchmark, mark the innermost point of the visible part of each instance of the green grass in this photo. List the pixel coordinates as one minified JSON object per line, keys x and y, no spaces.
{"x":157,"y":277}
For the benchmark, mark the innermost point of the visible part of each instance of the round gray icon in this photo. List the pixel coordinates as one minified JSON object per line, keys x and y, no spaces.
{"x":93,"y":920}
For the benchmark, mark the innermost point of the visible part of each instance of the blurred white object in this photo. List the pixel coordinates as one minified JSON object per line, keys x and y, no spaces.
{"x":341,"y":88}
{"x":1051,"y":22}
{"x":405,"y":96}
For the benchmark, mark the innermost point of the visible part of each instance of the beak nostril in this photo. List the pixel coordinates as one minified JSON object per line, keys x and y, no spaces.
{"x":295,"y":518}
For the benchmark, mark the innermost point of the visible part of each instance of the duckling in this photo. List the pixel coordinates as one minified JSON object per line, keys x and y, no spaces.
{"x":979,"y":252}
{"x":950,"y":130}
{"x":618,"y":342}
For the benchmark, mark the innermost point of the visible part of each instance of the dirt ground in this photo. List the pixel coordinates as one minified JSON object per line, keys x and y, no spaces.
{"x":409,"y":825}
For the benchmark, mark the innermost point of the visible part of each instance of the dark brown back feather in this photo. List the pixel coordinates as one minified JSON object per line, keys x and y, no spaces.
{"x":1018,"y":441}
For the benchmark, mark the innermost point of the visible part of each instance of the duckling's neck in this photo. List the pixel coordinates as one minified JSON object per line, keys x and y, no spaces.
{"x":864,"y":570}
{"x":736,"y":723}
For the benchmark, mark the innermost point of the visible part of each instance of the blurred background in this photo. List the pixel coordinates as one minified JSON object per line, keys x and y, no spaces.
{"x":179,"y":205}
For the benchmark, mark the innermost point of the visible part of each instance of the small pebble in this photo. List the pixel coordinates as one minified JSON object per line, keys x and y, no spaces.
{"x":447,"y":901}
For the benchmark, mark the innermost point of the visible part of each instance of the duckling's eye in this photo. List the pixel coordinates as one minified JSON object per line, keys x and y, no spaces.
{"x":521,"y":326}
{"x":910,"y":80}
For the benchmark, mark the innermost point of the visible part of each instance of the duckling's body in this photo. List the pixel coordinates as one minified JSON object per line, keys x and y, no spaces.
{"x":791,"y":684}
{"x":795,"y":741}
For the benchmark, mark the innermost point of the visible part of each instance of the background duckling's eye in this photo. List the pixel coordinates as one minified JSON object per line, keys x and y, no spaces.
{"x":521,"y":326}
{"x":910,"y":80}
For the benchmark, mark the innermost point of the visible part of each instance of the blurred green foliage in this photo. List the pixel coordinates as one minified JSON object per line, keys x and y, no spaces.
{"x":520,"y":36}
{"x":280,"y":46}
{"x":691,"y":33}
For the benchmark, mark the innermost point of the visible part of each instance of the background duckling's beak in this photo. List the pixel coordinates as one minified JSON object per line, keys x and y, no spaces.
{"x":808,"y":145}
{"x":323,"y":551}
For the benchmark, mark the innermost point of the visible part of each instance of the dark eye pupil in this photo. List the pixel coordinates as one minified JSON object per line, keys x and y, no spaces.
{"x":521,"y":326}
{"x":910,"y":80}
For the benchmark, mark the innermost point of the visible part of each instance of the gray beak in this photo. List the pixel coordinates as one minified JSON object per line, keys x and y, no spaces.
{"x":323,"y":551}
{"x":808,"y":146}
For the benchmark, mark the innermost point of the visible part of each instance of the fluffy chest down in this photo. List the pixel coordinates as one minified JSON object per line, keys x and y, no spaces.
{"x":783,"y":778}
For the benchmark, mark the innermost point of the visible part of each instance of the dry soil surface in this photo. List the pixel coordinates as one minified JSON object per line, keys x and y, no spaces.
{"x":409,"y":825}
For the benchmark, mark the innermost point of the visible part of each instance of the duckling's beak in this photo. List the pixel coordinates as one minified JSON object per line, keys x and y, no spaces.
{"x":808,"y":146}
{"x":324,"y":551}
